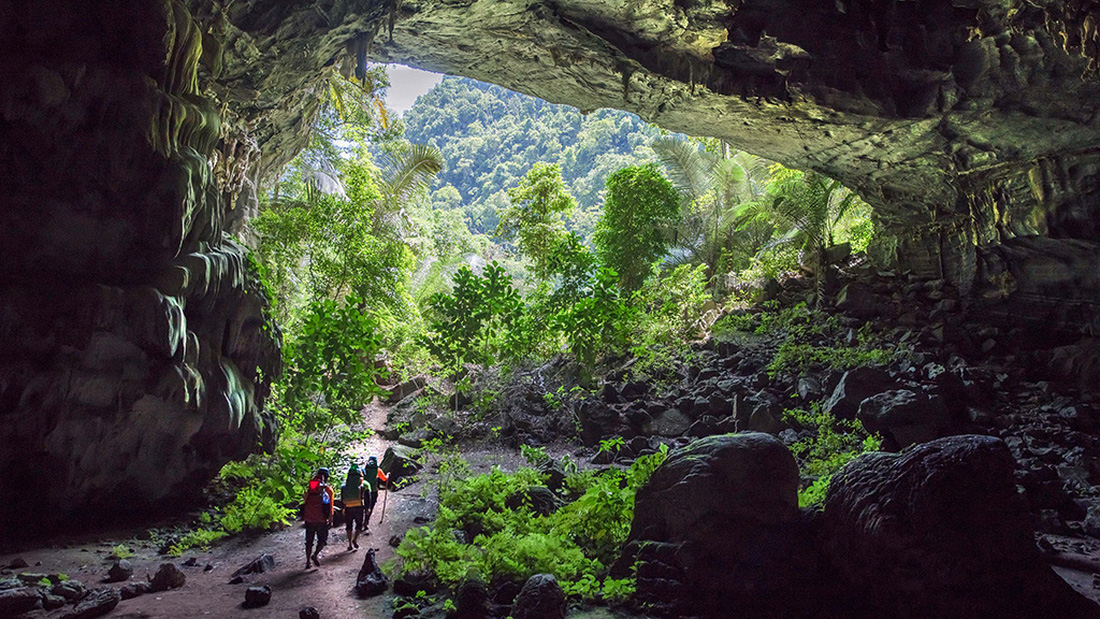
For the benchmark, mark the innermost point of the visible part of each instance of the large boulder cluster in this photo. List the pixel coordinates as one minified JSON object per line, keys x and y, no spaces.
{"x":937,"y":531}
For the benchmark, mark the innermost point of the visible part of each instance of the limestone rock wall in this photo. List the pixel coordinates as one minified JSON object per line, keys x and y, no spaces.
{"x":134,"y":332}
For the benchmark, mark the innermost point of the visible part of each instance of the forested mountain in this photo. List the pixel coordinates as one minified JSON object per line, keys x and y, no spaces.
{"x":490,"y":137}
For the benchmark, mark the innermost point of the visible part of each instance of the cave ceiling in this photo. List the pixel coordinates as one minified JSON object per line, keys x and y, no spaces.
{"x":135,"y":135}
{"x":919,"y":105}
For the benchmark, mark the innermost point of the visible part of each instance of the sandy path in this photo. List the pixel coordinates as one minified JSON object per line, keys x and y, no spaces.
{"x":207,"y":592}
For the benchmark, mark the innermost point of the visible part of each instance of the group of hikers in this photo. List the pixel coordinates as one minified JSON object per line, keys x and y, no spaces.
{"x":359,"y":495}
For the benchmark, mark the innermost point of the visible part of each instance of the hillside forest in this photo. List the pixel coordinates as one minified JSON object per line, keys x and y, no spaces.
{"x":486,"y":236}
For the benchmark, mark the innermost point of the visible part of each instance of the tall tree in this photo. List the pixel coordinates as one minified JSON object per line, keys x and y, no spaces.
{"x":534,"y":217}
{"x":640,"y":205}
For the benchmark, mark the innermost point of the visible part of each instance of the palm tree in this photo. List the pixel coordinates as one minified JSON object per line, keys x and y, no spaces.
{"x":713,"y":186}
{"x":811,"y":205}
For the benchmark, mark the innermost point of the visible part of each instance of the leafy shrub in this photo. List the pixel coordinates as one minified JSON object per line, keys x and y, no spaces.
{"x":122,"y":551}
{"x":479,"y":321}
{"x":836,"y":442}
{"x":199,"y":538}
{"x":599,"y":322}
{"x":330,"y":372}
{"x":577,"y":543}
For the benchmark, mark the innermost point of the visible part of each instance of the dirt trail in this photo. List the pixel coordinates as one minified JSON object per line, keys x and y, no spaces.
{"x":207,"y":592}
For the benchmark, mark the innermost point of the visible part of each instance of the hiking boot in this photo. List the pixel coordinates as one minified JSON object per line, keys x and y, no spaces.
{"x":349,"y":548}
{"x":356,"y":544}
{"x":315,"y":561}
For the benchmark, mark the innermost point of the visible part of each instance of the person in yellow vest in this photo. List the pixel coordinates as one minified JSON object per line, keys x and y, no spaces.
{"x":354,"y":494}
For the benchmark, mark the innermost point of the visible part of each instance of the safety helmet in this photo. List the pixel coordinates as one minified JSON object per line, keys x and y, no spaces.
{"x":372,"y":460}
{"x":322,"y":473}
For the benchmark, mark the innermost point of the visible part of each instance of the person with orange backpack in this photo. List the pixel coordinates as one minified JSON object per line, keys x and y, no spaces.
{"x":317,"y":514}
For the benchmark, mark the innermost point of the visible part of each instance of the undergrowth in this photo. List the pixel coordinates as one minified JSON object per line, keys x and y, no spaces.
{"x":835,"y":442}
{"x":577,"y":543}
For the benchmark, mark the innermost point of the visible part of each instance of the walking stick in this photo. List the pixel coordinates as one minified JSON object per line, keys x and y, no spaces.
{"x":384,"y":497}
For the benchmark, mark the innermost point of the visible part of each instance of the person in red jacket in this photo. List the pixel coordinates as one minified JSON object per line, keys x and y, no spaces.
{"x":317,"y":514}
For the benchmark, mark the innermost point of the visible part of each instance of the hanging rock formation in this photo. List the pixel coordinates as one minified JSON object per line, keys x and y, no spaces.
{"x":133,"y":136}
{"x":136,"y":346}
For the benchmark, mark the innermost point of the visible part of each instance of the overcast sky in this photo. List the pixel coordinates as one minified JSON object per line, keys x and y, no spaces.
{"x":406,"y":85}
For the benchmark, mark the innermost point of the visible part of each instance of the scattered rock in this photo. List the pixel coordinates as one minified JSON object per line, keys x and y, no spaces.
{"x":472,"y":601}
{"x":370,"y":581}
{"x":72,"y":590}
{"x":539,"y":498}
{"x":133,"y":590}
{"x":540,"y":598}
{"x":259,"y":565}
{"x":671,"y":423}
{"x":168,"y":576}
{"x":17,"y":601}
{"x":120,"y":570}
{"x":18,"y":563}
{"x":855,"y":386}
{"x":255,"y":597}
{"x":400,"y":461}
{"x":414,"y":582}
{"x":904,"y":417}
{"x":53,"y":602}
{"x":309,"y":612}
{"x":97,"y":603}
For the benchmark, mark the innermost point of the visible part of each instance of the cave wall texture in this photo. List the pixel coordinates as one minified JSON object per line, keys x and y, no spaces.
{"x":133,"y":135}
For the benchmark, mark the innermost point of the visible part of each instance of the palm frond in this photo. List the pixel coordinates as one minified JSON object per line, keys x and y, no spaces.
{"x":409,"y":169}
{"x":687,"y":166}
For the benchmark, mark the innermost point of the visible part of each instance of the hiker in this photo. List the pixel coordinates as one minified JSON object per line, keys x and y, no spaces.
{"x":317,"y":514}
{"x":353,"y":494}
{"x":372,"y":475}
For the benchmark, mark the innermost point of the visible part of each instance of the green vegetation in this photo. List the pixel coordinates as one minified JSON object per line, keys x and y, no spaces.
{"x":798,"y":326}
{"x":494,"y":230}
{"x":836,"y":442}
{"x":640,"y":202}
{"x":577,"y":542}
{"x":121,"y":551}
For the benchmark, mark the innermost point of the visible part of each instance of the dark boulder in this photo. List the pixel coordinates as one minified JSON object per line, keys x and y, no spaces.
{"x":168,"y":576}
{"x":400,"y":461}
{"x":17,"y":601}
{"x":854,"y":387}
{"x":538,"y":498}
{"x":120,"y":570}
{"x":259,"y":565}
{"x":904,"y":417}
{"x":540,"y":598}
{"x":71,"y":589}
{"x":411,"y":583}
{"x":472,"y":601}
{"x":370,"y":580}
{"x":309,"y":612}
{"x":133,"y":590}
{"x":718,"y":521}
{"x":940,"y":531}
{"x":97,"y":603}
{"x":597,"y":420}
{"x":255,"y":597}
{"x":670,"y":423}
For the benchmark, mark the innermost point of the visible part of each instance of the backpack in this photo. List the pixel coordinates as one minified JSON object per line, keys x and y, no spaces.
{"x":352,"y":492}
{"x":318,"y":504}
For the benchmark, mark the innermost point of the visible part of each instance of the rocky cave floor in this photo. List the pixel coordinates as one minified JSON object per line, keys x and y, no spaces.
{"x":964,"y":376}
{"x":210,"y":586}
